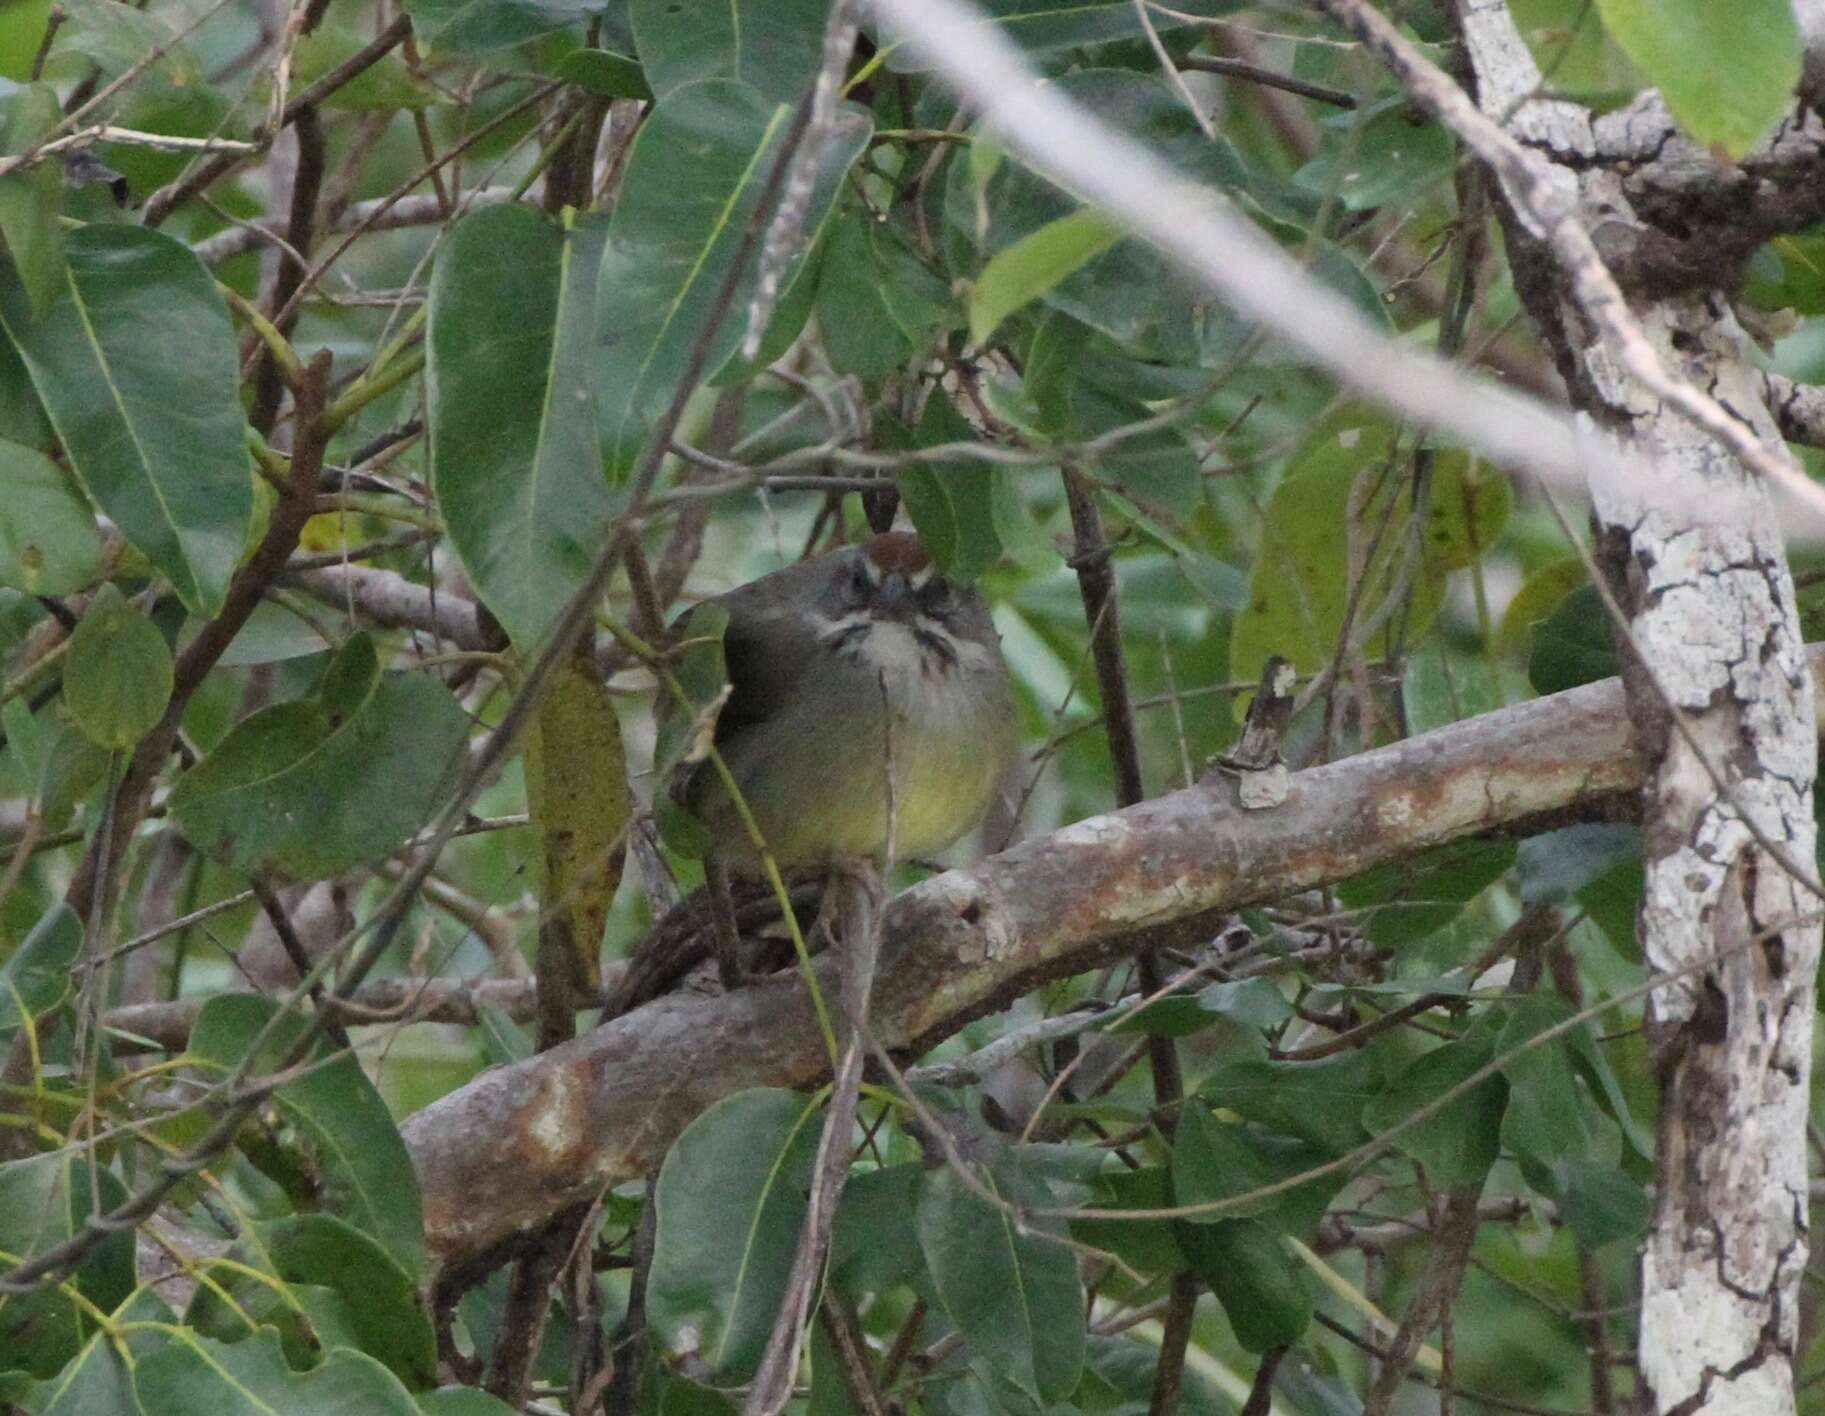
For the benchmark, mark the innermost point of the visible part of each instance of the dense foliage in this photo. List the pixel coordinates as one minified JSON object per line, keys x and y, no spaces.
{"x":258,"y":612}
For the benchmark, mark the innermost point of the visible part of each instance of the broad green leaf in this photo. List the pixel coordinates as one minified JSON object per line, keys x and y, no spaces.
{"x":576,"y":790}
{"x":877,"y":303}
{"x":386,"y":86}
{"x":1250,"y":1002}
{"x":96,"y":1382}
{"x":1554,"y":866}
{"x":514,"y":457}
{"x":1345,"y":500}
{"x":44,"y":1200}
{"x":117,"y":674}
{"x":1545,"y":1123}
{"x":1727,"y":72}
{"x":1572,"y":645}
{"x":478,"y":26}
{"x":1458,"y":1144}
{"x":772,"y":46}
{"x":135,"y":362}
{"x":1259,"y":1283}
{"x":305,"y":790}
{"x":36,"y":974}
{"x":1403,"y":903}
{"x":1033,"y":265}
{"x":49,"y":544}
{"x":1215,"y":1160}
{"x":252,"y":1378}
{"x":356,"y":1165}
{"x":29,"y":199}
{"x":379,"y":1299}
{"x":604,"y":72}
{"x":1600,"y":1203}
{"x":21,"y":414}
{"x":1320,"y":1102}
{"x":21,"y":34}
{"x":874,"y":1241}
{"x":1146,"y":1245}
{"x":1045,"y":26}
{"x":1540,"y":594}
{"x":121,"y":37}
{"x":1128,"y":292}
{"x":462,"y":1401}
{"x":1387,"y":154}
{"x":951,"y":502}
{"x":1008,"y":1282}
{"x":695,"y":172}
{"x":1442,"y":686}
{"x":717,"y":1287}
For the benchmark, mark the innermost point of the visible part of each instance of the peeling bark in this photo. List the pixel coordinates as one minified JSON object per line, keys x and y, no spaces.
{"x":1723,"y":709}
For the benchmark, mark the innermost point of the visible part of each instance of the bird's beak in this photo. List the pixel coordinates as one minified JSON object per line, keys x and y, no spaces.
{"x":896,"y":596}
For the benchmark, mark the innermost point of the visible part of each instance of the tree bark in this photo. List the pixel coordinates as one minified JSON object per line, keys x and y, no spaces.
{"x":1723,"y":711}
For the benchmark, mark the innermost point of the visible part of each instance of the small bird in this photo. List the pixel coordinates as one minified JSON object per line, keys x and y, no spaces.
{"x":841,"y":669}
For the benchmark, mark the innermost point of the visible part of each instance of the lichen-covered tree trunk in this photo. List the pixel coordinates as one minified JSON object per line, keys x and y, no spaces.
{"x":1714,"y":667}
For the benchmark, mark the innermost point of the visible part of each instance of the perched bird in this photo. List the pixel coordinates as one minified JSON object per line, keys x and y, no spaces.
{"x":842,"y":669}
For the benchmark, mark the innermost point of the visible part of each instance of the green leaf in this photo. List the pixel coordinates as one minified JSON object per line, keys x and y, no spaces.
{"x":1546,"y":1122}
{"x":359,"y":1167}
{"x":951,"y":503}
{"x":1146,"y":1245}
{"x":1540,"y":594}
{"x":1552,"y":868}
{"x":1219,"y":1160}
{"x":252,"y":1378}
{"x":1409,"y":900}
{"x":121,"y":37}
{"x":22,"y":27}
{"x":1045,"y":26}
{"x":462,"y":1401}
{"x":36,"y":976}
{"x":1129,"y":292}
{"x":477,"y":26}
{"x":49,"y":544}
{"x":772,"y":46}
{"x":1600,"y":1203}
{"x":29,"y":199}
{"x":874,"y":1241}
{"x":1320,"y":1102}
{"x":1727,"y":72}
{"x":695,"y":172}
{"x":1250,"y":1002}
{"x":1260,"y":1285}
{"x":44,"y":1200}
{"x":387,"y":85}
{"x":1033,"y":265}
{"x":514,"y":456}
{"x":1388,"y":154}
{"x":306,"y":790}
{"x":21,"y":414}
{"x":604,"y":72}
{"x":877,"y":304}
{"x":379,"y":1298}
{"x":1572,"y":645}
{"x":1344,"y":500}
{"x":117,"y":675}
{"x":1458,"y":1144}
{"x":717,"y":1287}
{"x":135,"y":362}
{"x":1008,"y":1282}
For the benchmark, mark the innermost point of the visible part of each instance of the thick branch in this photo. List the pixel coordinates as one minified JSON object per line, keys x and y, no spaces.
{"x":522,"y":1143}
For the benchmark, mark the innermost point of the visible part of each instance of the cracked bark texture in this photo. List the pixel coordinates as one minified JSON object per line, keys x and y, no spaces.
{"x":1723,"y":711}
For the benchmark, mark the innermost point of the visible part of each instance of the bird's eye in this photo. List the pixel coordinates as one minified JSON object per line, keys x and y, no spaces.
{"x":860,"y":583}
{"x":937,"y":596}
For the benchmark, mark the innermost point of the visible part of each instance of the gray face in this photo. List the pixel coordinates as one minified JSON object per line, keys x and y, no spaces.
{"x":866,"y":607}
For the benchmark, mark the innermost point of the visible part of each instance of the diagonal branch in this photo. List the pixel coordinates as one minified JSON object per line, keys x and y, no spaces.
{"x":521,"y":1143}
